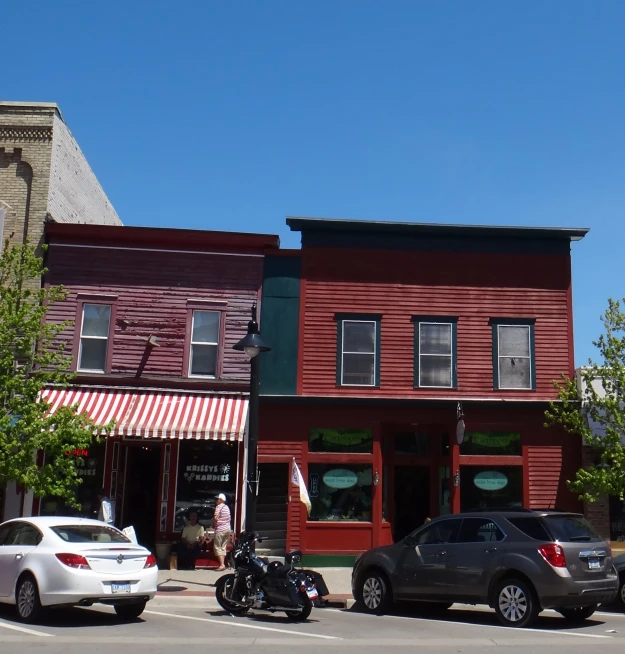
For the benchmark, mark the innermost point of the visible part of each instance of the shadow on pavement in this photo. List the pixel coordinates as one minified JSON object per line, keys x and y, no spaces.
{"x":68,"y":617}
{"x":277,"y":618}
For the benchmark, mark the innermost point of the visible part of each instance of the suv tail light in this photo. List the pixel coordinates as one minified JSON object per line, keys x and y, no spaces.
{"x":74,"y":561}
{"x":553,"y":554}
{"x":150,"y":562}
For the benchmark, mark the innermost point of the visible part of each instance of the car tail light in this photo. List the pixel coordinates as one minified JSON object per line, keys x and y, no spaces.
{"x":150,"y":562}
{"x":74,"y":561}
{"x":553,"y":554}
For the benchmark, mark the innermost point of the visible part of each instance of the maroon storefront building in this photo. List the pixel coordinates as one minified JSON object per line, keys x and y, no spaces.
{"x":381,"y":334}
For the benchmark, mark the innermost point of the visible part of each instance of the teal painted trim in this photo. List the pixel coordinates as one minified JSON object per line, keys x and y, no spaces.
{"x":373,"y":317}
{"x":525,"y":322}
{"x":453,"y":321}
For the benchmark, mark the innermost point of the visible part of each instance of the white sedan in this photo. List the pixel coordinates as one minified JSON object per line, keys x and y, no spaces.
{"x":55,"y":561}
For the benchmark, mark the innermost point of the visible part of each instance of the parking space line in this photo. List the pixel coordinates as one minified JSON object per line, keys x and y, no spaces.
{"x":484,"y":626}
{"x":25,"y":630}
{"x":229,"y":623}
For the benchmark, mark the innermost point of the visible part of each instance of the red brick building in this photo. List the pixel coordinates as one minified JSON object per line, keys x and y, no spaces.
{"x":381,"y":333}
{"x":155,"y":314}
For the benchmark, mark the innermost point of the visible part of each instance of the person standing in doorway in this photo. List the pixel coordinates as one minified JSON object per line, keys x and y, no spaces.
{"x":221,"y":523}
{"x":107,"y":511}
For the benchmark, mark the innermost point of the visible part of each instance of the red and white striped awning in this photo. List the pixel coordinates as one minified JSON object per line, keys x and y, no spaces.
{"x":158,"y":414}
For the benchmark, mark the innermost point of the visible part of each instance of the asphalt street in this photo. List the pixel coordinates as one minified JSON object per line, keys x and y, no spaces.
{"x":170,"y":623}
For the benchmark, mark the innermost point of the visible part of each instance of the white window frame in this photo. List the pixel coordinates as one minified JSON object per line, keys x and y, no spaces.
{"x":451,"y":353}
{"x":500,"y":356}
{"x":368,"y":354}
{"x":192,"y":343}
{"x":106,"y":338}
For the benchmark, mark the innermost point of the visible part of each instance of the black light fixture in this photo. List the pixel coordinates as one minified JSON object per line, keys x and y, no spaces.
{"x":252,"y":344}
{"x":459,"y":424}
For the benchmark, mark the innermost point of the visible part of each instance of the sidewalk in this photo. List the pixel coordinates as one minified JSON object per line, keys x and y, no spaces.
{"x":201,"y":583}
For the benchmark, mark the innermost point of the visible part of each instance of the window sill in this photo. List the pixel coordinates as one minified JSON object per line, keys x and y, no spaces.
{"x":86,"y":371}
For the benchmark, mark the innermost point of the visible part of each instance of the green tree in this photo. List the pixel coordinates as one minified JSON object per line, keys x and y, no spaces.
{"x":597,"y":414}
{"x":29,"y":361}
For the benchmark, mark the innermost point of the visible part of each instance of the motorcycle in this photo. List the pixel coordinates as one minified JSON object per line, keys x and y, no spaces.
{"x":264,"y":586}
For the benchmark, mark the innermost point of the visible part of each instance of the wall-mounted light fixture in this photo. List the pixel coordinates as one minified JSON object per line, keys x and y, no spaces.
{"x":459,"y":424}
{"x":457,"y":479}
{"x":376,"y":478}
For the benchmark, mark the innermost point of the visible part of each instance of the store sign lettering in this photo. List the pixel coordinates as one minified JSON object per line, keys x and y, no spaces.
{"x":342,"y":436}
{"x":490,"y":480}
{"x":340,"y":478}
{"x":207,"y":473}
{"x":486,"y":439}
{"x":77,"y":453}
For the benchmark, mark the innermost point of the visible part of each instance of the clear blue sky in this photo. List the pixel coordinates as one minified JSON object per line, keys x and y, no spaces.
{"x":234,"y":114}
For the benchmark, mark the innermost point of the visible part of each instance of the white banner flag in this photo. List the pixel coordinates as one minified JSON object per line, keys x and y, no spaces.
{"x":298,"y":480}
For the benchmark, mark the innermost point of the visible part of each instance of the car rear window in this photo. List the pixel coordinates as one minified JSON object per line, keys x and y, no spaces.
{"x":89,"y":534}
{"x":531,"y":527}
{"x":571,"y":529}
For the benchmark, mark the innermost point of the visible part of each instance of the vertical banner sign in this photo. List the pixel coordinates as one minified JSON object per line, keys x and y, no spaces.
{"x":298,"y":480}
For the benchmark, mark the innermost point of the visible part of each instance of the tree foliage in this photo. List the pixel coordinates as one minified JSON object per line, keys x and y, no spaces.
{"x":30,"y":361}
{"x":598,"y":412}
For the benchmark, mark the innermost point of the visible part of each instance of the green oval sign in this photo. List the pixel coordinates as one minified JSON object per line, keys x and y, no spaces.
{"x":490,"y":480}
{"x":340,"y":478}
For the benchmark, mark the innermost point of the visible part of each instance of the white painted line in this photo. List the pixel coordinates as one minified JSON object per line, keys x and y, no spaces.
{"x":479,"y":626}
{"x":24,"y":630}
{"x":245,"y":626}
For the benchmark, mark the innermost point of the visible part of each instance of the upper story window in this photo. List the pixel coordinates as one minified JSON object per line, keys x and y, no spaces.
{"x":513,"y":354}
{"x":205,"y":330}
{"x":94,"y":337}
{"x":358,"y":350}
{"x":435,"y":352}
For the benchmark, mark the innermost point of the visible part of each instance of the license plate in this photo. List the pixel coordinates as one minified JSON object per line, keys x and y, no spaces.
{"x":594,"y":564}
{"x":120,"y":588}
{"x":312,"y":593}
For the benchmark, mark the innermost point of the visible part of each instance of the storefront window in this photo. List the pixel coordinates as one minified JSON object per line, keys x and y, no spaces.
{"x":340,"y":492}
{"x":491,"y":443}
{"x":90,"y":468}
{"x":343,"y":441}
{"x":413,"y":443}
{"x":205,"y":469}
{"x":492,"y":487}
{"x":617,"y":518}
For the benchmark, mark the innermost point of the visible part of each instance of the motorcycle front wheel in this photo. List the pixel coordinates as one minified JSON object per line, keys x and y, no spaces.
{"x":224,"y":588}
{"x":301,"y":614}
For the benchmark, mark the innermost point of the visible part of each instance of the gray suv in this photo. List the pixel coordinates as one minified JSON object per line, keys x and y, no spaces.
{"x":518,"y":562}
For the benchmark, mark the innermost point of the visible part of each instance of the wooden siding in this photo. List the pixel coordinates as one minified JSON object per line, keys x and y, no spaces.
{"x":152,"y":290}
{"x":544,"y":473}
{"x":398,"y":285}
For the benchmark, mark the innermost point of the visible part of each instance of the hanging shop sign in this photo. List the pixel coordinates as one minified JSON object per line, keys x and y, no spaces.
{"x":340,"y":478}
{"x":490,"y":480}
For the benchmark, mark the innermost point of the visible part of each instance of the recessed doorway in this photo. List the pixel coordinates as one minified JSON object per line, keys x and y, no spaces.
{"x":412,"y":499}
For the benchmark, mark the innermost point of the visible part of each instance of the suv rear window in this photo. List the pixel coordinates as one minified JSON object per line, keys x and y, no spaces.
{"x":571,"y":529}
{"x":531,"y":527}
{"x":89,"y":534}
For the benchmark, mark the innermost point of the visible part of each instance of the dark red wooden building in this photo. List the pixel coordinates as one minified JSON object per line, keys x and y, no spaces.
{"x":382,"y":334}
{"x":154,"y":314}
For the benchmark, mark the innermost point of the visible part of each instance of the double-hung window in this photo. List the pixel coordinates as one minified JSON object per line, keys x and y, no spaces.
{"x":204,"y":348}
{"x":435,"y":352}
{"x":358,"y":351}
{"x":94,"y":337}
{"x":513,"y":354}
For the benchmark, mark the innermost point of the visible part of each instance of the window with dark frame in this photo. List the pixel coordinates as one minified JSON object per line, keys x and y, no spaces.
{"x":358,"y":351}
{"x":435,"y":352}
{"x":513,"y":355}
{"x":204,"y":346}
{"x":94,"y":337}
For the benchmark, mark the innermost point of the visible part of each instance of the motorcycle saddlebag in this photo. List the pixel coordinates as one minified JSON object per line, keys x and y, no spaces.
{"x":318,"y":581}
{"x":280,"y":592}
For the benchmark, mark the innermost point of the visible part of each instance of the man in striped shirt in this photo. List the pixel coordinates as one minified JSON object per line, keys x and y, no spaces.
{"x":221,"y":522}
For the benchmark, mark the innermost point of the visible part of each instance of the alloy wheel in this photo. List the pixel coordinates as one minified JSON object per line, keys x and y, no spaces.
{"x":513,"y":603}
{"x":372,"y":593}
{"x":26,"y":598}
{"x":623,"y":593}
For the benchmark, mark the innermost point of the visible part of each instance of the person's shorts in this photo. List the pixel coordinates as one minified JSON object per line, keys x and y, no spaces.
{"x":220,"y":542}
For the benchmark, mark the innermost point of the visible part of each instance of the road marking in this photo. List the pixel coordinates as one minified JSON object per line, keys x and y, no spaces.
{"x":24,"y":630}
{"x":246,"y":626}
{"x":484,"y":626}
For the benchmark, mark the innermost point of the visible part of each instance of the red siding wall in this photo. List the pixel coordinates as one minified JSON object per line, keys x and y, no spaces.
{"x":153,"y":289}
{"x":474,"y":287}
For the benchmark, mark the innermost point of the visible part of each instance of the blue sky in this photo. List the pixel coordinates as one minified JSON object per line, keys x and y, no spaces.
{"x":232,"y":115}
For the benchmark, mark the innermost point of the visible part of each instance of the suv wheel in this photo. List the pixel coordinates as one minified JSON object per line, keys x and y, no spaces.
{"x":374,"y":593}
{"x":578,"y":613}
{"x":515,"y":603}
{"x":621,"y":589}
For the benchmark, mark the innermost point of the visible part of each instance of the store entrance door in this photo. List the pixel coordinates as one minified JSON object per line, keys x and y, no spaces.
{"x":141,"y":502}
{"x":412,"y":498}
